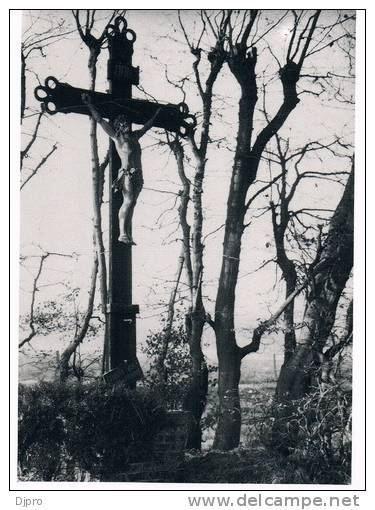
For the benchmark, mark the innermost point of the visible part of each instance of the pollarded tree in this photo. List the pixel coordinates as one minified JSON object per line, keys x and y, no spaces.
{"x":307,"y":37}
{"x":243,"y":33}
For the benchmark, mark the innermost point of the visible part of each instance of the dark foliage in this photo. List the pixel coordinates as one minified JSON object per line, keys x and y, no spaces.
{"x":178,"y":371}
{"x":321,"y":427}
{"x":177,"y":364}
{"x":66,"y":431}
{"x":313,"y":434}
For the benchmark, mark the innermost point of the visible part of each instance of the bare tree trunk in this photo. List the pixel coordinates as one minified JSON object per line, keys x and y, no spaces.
{"x":289,"y":334}
{"x":23,"y":85}
{"x":80,"y":336}
{"x":195,"y":399}
{"x":286,"y":265}
{"x":330,"y":277}
{"x":161,"y":369}
{"x":228,"y":431}
{"x":97,"y":198}
{"x":196,"y":395}
{"x":99,"y":262}
{"x":290,"y":276}
{"x":97,"y":187}
{"x":229,"y":425}
{"x":242,"y":62}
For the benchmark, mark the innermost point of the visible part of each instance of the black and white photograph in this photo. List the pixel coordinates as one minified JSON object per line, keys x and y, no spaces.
{"x":187,"y":193}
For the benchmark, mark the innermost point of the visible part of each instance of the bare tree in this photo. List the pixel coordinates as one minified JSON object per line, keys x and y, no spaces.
{"x":184,"y":259}
{"x":331,"y":272}
{"x":81,"y":329}
{"x":99,"y":266}
{"x":35,"y":289}
{"x":94,"y":45}
{"x":306,"y":38}
{"x":285,"y":219}
{"x":192,"y":245}
{"x":36,"y":43}
{"x":238,"y":34}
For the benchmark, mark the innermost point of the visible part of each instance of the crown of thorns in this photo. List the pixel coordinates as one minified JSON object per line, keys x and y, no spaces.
{"x":120,"y":121}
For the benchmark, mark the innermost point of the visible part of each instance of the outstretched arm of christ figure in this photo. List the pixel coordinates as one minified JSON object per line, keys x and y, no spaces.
{"x":147,"y":126}
{"x":97,"y":117}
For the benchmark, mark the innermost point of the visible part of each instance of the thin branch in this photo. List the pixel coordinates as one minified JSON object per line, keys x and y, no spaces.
{"x":249,"y":26}
{"x":315,"y":18}
{"x":82,"y":329}
{"x":261,"y":190}
{"x":254,"y":42}
{"x":258,"y":332}
{"x":25,"y":151}
{"x":171,"y":311}
{"x":41,"y":163}
{"x":291,"y":42}
{"x":33,"y":296}
{"x":35,"y":289}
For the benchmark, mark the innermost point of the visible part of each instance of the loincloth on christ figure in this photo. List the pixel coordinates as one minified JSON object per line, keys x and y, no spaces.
{"x":130,"y":180}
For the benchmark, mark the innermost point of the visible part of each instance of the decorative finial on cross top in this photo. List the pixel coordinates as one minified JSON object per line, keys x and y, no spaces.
{"x":120,"y":41}
{"x":57,"y":97}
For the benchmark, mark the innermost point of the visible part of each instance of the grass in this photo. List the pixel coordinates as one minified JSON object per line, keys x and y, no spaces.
{"x":255,"y":465}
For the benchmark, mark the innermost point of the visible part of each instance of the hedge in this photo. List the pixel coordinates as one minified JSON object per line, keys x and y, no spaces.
{"x":67,"y":432}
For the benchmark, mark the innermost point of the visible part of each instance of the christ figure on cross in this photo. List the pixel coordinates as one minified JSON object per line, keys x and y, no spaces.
{"x":130,"y":176}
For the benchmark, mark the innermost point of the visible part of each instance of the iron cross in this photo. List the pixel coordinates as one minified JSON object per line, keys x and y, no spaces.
{"x":59,"y":97}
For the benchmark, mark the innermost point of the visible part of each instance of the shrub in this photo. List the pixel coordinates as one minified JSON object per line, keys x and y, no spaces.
{"x":177,"y":364}
{"x":313,"y":432}
{"x":83,"y":428}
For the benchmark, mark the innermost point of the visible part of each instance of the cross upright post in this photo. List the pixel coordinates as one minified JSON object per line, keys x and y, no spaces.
{"x":121,"y":313}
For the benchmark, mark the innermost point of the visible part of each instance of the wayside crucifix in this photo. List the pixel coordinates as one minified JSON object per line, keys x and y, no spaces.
{"x":115,"y":111}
